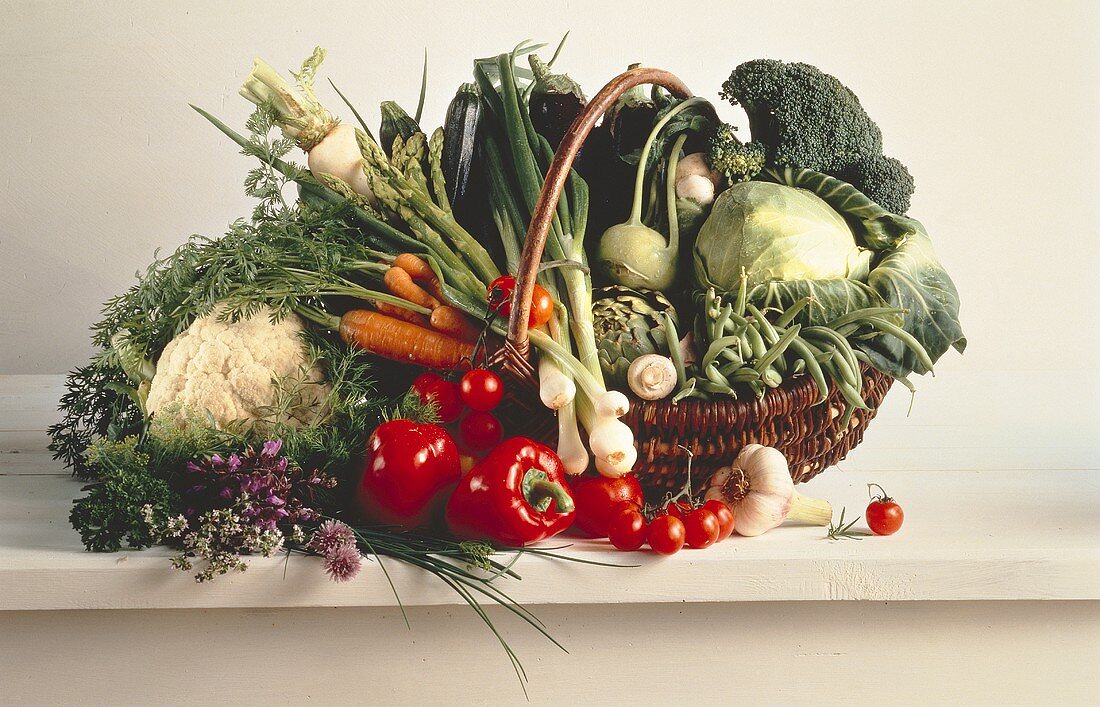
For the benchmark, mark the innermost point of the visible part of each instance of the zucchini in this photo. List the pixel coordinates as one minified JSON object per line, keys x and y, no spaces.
{"x":395,"y":122}
{"x":464,"y":168}
{"x":460,"y":140}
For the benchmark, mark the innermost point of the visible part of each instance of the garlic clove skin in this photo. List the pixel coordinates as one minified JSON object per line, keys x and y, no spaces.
{"x":758,"y":489}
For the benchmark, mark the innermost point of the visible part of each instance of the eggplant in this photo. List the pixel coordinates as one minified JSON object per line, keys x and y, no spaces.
{"x":395,"y":122}
{"x":556,"y":101}
{"x":464,"y":168}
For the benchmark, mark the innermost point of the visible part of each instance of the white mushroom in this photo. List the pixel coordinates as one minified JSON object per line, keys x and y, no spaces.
{"x":652,"y":376}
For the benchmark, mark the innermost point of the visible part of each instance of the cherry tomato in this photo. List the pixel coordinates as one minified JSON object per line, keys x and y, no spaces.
{"x":627,"y":530}
{"x":701,"y":528}
{"x":724,"y":515}
{"x":598,"y":499}
{"x":481,"y":389}
{"x":884,"y":515}
{"x":480,"y":430}
{"x":678,"y":509}
{"x":500,"y":300}
{"x":666,"y":535}
{"x":431,"y":387}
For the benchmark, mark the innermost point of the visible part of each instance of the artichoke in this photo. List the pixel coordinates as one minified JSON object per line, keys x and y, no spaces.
{"x":628,"y":325}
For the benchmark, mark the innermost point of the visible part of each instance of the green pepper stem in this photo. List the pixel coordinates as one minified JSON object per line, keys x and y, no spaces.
{"x":539,"y":491}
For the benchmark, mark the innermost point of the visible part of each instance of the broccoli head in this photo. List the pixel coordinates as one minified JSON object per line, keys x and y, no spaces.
{"x":883,"y":180}
{"x":738,"y":161}
{"x":807,"y":118}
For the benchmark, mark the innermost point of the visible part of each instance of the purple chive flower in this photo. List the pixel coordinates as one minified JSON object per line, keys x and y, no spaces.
{"x":331,"y":535}
{"x":343,"y":563}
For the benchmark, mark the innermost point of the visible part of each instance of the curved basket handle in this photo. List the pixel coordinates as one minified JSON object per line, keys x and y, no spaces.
{"x":547,"y":205}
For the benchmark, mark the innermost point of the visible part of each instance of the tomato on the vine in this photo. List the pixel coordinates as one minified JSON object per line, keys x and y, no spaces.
{"x":433,"y":388}
{"x":666,"y":535}
{"x":884,"y":515}
{"x":481,"y":389}
{"x":678,"y":509}
{"x":724,"y":515}
{"x":700,"y":528}
{"x":499,"y":298}
{"x":480,"y":430}
{"x":627,"y":530}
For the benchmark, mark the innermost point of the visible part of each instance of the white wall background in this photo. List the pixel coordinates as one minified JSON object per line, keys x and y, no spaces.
{"x":993,"y":106}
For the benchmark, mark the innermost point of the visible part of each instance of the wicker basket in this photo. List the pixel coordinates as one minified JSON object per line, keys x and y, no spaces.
{"x":786,"y":417}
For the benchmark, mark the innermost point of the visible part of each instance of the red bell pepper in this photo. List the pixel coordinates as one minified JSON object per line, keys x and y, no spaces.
{"x":408,"y":467}
{"x":515,"y":496}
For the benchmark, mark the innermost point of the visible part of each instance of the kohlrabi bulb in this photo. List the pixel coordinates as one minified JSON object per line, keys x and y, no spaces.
{"x":634,"y":255}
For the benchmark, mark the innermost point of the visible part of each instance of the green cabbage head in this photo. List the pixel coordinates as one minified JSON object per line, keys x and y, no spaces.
{"x":774,"y":232}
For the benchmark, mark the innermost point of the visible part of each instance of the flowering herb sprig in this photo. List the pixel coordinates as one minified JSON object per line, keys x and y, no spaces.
{"x":248,"y":503}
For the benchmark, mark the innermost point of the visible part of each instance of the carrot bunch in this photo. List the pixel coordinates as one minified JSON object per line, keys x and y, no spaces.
{"x":442,"y":339}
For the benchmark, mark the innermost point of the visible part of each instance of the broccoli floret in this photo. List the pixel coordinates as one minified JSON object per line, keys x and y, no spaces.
{"x":738,"y":161}
{"x":807,"y":118}
{"x":882,"y":179}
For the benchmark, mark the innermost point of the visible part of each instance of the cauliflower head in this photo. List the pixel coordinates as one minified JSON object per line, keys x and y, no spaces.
{"x":239,"y":372}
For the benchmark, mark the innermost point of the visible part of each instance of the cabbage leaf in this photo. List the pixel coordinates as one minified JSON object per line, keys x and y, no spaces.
{"x":911,"y":277}
{"x":874,"y":227}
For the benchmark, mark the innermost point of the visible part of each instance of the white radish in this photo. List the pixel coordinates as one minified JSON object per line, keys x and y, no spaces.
{"x":331,"y":148}
{"x":338,"y":154}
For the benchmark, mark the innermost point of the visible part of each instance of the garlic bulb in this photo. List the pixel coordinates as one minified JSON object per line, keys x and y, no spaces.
{"x":758,"y":489}
{"x":651,"y":376}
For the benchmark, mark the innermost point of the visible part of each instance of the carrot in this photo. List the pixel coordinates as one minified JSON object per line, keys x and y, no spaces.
{"x":415,"y":266}
{"x":420,"y":271}
{"x":402,"y":313}
{"x":398,"y":340}
{"x":401,"y":285}
{"x":452,"y":321}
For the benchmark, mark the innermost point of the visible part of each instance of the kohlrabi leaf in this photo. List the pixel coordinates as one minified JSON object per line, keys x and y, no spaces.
{"x":699,"y":119}
{"x":911,"y":277}
{"x":874,"y":227}
{"x":829,"y":298}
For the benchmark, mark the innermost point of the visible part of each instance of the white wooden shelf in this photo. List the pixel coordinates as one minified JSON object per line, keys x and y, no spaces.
{"x":968,"y":535}
{"x":972,"y":540}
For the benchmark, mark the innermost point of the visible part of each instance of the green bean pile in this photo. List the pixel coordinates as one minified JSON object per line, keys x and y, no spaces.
{"x":742,"y":349}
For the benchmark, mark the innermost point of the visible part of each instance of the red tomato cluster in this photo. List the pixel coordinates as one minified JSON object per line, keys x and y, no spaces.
{"x":499,"y":297}
{"x":613,"y":508}
{"x":671,"y":528}
{"x":477,"y":393}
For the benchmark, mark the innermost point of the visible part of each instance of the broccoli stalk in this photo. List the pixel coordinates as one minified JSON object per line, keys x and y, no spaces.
{"x":807,"y":118}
